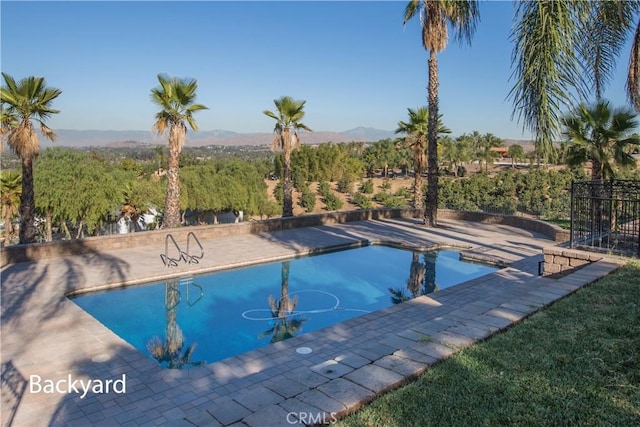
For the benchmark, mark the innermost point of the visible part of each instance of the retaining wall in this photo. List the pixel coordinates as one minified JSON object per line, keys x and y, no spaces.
{"x":36,"y":251}
{"x":558,"y":260}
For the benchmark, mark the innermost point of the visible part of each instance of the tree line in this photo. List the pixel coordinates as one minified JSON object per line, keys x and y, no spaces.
{"x":79,"y":192}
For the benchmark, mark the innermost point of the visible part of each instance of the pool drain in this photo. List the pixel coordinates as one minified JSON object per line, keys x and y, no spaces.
{"x":303,"y":350}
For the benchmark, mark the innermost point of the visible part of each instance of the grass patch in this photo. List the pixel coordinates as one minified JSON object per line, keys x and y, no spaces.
{"x":560,"y":222}
{"x":574,"y":363}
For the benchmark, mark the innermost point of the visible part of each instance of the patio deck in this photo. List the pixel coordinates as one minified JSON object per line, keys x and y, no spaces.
{"x":46,"y":335}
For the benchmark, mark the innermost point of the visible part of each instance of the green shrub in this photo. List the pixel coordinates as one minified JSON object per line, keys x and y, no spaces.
{"x":344,"y":185}
{"x":403,"y":192}
{"x":395,"y":202}
{"x":299,"y":180}
{"x":308,"y":200}
{"x":332,"y":201}
{"x":278,"y":192}
{"x":324,"y":188}
{"x":367,"y":186}
{"x":362,"y":201}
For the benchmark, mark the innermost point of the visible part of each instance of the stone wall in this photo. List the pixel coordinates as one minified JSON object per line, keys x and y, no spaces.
{"x":558,"y":260}
{"x":34,"y":252}
{"x":554,"y":232}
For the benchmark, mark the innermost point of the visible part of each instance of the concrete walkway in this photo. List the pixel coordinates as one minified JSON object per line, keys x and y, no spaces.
{"x":46,"y":335}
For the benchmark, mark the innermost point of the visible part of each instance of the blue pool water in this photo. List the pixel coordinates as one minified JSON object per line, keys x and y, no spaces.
{"x":231,"y":312}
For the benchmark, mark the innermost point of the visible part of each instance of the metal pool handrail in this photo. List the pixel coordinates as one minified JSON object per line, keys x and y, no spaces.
{"x":193,"y":258}
{"x":168,"y":261}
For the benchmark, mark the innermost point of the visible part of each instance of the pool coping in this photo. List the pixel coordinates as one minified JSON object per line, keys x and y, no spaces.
{"x":352,"y":362}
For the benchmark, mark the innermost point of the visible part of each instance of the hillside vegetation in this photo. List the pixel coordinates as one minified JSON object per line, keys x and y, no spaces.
{"x":84,"y":192}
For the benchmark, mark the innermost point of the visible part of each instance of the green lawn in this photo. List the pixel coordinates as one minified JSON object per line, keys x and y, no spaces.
{"x":560,"y":222}
{"x":577,"y":363}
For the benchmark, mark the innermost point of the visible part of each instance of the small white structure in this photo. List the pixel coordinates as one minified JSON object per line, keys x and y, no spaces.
{"x":123,"y":225}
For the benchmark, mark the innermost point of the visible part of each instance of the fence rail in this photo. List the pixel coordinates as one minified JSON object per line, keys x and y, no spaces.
{"x":605,"y":216}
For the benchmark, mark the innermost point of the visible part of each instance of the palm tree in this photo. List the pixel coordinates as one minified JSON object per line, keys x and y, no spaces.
{"x":487,"y":153}
{"x":417,"y":130}
{"x":159,"y":150}
{"x":10,"y":190}
{"x":436,"y":16}
{"x":601,"y":135}
{"x":516,"y":152}
{"x":176,"y":98}
{"x":23,"y":102}
{"x":462,"y":151}
{"x":288,"y":121}
{"x":562,"y":51}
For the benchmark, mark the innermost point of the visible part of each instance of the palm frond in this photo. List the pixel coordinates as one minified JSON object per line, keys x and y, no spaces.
{"x":410,"y":10}
{"x":633,"y":76}
{"x":437,"y":17}
{"x":176,"y":98}
{"x":47,"y":132}
{"x":547,"y":72}
{"x":601,"y":134}
{"x":608,"y":25}
{"x":290,"y":114}
{"x":23,"y":101}
{"x":271,"y":114}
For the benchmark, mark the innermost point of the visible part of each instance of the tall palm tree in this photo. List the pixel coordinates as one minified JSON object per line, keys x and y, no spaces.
{"x":10,"y":190}
{"x":564,"y":50}
{"x":436,"y":17}
{"x":288,"y":121}
{"x":23,"y":102}
{"x":176,"y":97}
{"x":601,"y":135}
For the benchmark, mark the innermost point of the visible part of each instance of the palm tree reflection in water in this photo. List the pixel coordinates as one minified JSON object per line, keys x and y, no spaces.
{"x":169,"y":352}
{"x":284,"y":324}
{"x":422,"y":278}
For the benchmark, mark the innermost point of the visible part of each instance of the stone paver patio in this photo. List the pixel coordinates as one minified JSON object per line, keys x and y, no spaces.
{"x":46,"y":335}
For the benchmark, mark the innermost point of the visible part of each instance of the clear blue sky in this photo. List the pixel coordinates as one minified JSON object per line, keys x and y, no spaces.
{"x":353,"y":62}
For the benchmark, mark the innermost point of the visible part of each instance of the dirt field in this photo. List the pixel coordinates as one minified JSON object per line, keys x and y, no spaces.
{"x":396,"y":183}
{"x":320,"y":207}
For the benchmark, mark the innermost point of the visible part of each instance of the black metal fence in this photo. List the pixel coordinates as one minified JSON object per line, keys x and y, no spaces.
{"x":605,"y":216}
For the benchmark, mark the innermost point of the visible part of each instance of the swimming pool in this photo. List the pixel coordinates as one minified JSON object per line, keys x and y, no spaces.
{"x":207,"y":318}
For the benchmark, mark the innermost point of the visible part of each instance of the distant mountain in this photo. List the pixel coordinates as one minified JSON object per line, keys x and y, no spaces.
{"x":89,"y":138}
{"x":368,"y":134}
